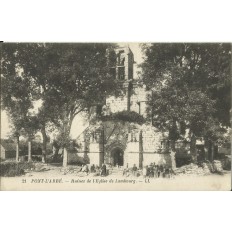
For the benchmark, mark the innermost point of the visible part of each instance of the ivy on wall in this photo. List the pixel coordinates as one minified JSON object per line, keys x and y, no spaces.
{"x":125,"y":116}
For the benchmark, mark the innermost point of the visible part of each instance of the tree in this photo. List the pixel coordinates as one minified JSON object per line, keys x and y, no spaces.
{"x":66,"y":78}
{"x":16,"y":97}
{"x":77,"y":81}
{"x":189,"y":82}
{"x":17,"y":94}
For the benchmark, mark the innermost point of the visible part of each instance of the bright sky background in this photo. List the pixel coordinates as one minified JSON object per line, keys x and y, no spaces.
{"x":78,"y":123}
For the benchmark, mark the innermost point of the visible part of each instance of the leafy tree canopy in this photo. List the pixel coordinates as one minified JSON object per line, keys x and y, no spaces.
{"x":66,"y":78}
{"x":190,"y":85}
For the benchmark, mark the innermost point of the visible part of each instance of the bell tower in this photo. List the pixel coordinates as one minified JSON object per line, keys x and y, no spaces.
{"x":121,"y":63}
{"x":124,"y":63}
{"x":121,"y":68}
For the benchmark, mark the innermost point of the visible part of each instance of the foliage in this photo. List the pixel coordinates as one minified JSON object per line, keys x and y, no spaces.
{"x":18,"y":92}
{"x":191,"y":87}
{"x":11,"y":169}
{"x":36,"y":148}
{"x":125,"y":116}
{"x":65,"y":78}
{"x":79,"y":80}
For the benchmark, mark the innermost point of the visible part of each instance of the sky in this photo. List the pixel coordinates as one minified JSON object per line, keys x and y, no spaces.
{"x":78,"y":123}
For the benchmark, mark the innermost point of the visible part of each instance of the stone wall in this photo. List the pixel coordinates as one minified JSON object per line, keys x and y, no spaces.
{"x":95,"y":154}
{"x":114,"y":104}
{"x":141,"y":145}
{"x":157,"y":158}
{"x":132,"y":155}
{"x":138,"y":99}
{"x":152,"y":139}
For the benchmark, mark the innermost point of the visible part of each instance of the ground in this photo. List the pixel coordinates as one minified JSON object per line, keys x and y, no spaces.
{"x":50,"y":177}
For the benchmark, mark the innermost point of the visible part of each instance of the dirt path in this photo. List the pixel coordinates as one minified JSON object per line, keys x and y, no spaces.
{"x":55,"y":179}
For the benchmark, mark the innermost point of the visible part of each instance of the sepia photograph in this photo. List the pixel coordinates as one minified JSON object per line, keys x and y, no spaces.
{"x":115,"y":116}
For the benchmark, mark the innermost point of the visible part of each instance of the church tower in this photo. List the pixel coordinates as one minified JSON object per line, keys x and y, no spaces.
{"x":124,"y":63}
{"x":122,"y":142}
{"x":121,"y":63}
{"x":122,"y":69}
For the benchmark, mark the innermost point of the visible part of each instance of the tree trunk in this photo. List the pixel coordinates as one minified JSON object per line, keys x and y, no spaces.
{"x":173,"y":154}
{"x":65,"y":157}
{"x":212,"y":152}
{"x":173,"y":159}
{"x":206,"y":149}
{"x":215,"y":150}
{"x":140,"y":149}
{"x":17,"y":149}
{"x":29,"y":151}
{"x":67,"y":124}
{"x":44,"y":147}
{"x":193,"y":149}
{"x":55,"y":151}
{"x":66,"y":132}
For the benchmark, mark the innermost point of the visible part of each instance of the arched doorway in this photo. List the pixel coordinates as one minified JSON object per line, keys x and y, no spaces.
{"x":117,"y":156}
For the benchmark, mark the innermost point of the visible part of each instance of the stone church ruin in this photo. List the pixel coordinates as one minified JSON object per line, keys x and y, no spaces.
{"x":116,"y":141}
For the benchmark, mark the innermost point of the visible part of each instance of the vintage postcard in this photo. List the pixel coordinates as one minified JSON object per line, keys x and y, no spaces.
{"x":115,"y":116}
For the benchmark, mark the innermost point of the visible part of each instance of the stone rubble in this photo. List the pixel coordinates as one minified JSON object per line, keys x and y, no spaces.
{"x":193,"y":169}
{"x":217,"y":165}
{"x":204,"y":169}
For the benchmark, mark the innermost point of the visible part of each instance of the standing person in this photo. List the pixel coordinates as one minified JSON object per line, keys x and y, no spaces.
{"x":92,"y":168}
{"x":151,"y":171}
{"x":161,"y":168}
{"x":164,"y":171}
{"x":167,"y":172}
{"x":148,"y":171}
{"x":103,"y":170}
{"x":97,"y":171}
{"x":126,"y":172}
{"x":134,"y":170}
{"x":172,"y":173}
{"x":158,"y":171}
{"x":145,"y":171}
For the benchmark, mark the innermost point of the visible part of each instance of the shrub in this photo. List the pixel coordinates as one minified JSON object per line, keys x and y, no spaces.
{"x":57,"y":158}
{"x":226,"y":163}
{"x":14,"y":169}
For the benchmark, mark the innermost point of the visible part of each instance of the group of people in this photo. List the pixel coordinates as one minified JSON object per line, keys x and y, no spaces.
{"x":150,"y":171}
{"x":157,"y":171}
{"x":127,"y":171}
{"x":95,"y":169}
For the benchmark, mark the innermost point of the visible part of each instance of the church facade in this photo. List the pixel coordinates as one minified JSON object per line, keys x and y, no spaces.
{"x":120,"y":142}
